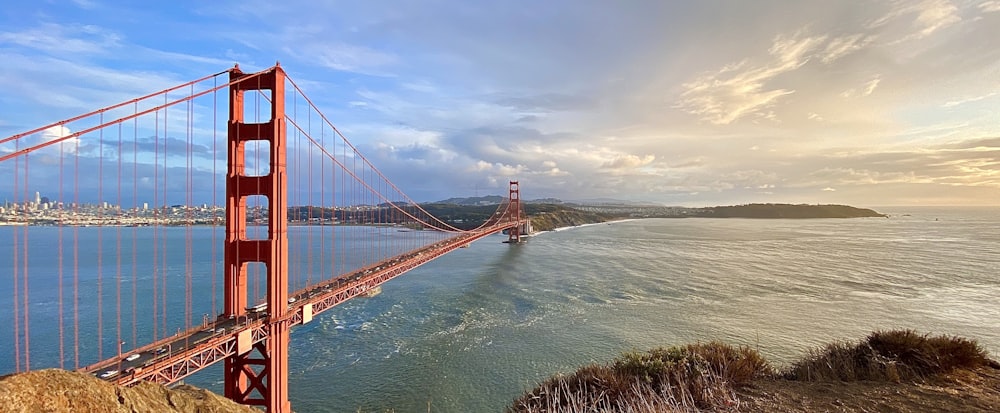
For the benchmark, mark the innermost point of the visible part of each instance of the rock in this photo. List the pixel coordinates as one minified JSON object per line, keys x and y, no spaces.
{"x":58,"y":391}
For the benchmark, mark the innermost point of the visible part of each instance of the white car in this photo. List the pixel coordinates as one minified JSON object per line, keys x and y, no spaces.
{"x":132,"y":357}
{"x":108,"y":374}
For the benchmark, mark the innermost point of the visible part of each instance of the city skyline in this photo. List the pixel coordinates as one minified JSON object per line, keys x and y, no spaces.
{"x":866,"y":103}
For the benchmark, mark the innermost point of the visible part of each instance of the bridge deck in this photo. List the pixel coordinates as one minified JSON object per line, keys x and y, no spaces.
{"x":173,"y":358}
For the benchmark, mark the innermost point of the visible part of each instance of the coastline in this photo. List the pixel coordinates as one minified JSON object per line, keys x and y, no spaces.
{"x":570,"y":227}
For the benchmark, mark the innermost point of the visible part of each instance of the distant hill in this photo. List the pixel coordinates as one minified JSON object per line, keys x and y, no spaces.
{"x":610,"y":202}
{"x":547,"y":217}
{"x":544,"y":217}
{"x":493,"y":200}
{"x":787,"y":211}
{"x":496,"y":199}
{"x":472,"y":201}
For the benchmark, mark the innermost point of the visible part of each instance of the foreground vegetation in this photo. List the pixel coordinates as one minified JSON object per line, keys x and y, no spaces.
{"x":784,"y":211}
{"x":899,"y":371}
{"x":710,"y":376}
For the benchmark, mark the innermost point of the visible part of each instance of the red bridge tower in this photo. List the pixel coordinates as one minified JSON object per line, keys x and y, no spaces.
{"x":514,"y":235}
{"x":258,"y":374}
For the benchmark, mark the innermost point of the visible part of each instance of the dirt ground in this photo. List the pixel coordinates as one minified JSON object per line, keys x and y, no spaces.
{"x":961,"y":391}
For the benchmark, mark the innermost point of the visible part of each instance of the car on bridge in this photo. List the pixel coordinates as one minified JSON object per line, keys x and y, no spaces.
{"x":108,"y":374}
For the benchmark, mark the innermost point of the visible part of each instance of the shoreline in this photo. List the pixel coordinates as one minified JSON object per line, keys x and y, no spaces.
{"x":570,"y":227}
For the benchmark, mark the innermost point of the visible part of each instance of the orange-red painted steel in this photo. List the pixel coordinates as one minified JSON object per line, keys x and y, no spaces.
{"x":222,"y":340}
{"x":254,"y":344}
{"x":514,"y":235}
{"x":259,"y":377}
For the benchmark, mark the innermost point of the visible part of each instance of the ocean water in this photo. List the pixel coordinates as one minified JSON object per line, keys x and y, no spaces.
{"x":472,"y":330}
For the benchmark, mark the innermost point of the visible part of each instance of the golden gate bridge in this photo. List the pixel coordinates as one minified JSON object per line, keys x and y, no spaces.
{"x":115,"y":288}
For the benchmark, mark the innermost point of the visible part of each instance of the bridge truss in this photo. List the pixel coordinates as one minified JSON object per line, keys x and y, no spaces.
{"x":102,"y":169}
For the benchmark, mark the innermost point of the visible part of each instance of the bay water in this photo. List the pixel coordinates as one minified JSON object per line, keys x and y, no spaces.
{"x":472,"y":330}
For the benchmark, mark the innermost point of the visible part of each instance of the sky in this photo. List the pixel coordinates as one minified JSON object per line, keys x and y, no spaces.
{"x":867,"y":103}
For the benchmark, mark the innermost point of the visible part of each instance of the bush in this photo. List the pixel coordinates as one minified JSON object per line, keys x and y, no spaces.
{"x":685,"y":378}
{"x":889,"y":356}
{"x":706,"y":376}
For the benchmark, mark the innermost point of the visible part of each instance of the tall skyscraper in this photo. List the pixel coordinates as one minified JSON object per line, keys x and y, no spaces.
{"x":38,"y":198}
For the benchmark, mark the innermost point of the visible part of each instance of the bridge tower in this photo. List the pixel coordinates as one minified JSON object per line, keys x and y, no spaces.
{"x":514,"y":235}
{"x":258,"y":373}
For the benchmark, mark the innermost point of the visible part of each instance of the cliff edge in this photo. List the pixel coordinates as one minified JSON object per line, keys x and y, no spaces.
{"x":889,"y":371}
{"x":59,"y":391}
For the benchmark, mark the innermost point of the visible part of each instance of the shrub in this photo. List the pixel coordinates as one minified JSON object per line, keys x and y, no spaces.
{"x":889,"y":356}
{"x":684,"y":378}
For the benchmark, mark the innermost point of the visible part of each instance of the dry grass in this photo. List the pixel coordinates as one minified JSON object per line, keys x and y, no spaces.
{"x":685,"y":378}
{"x":898,"y":355}
{"x":702,"y":377}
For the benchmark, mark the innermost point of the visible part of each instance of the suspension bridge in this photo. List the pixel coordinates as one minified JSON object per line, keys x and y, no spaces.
{"x":198,"y":225}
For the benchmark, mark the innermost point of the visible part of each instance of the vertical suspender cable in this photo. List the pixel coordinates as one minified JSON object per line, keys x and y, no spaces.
{"x":309,"y":179}
{"x":215,"y":180}
{"x":76,"y":257}
{"x":166,"y":210}
{"x":100,"y":243}
{"x":322,"y":196}
{"x":188,"y":305}
{"x":157,"y":215}
{"x":24,"y":274}
{"x":118,"y":247}
{"x":17,"y":255}
{"x":135,"y":231}
{"x":62,"y":313}
{"x":295,"y":185}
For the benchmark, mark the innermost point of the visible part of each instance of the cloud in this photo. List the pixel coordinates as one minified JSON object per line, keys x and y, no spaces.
{"x":500,"y":169}
{"x":628,"y":162}
{"x":933,"y":15}
{"x":914,"y":20}
{"x":65,"y":147}
{"x":743,"y":89}
{"x":953,"y":103}
{"x":579,"y":99}
{"x":59,"y":39}
{"x":870,"y":86}
{"x":341,"y":56}
{"x":730,"y":94}
{"x":989,"y":6}
{"x":828,"y":189}
{"x":842,"y":46}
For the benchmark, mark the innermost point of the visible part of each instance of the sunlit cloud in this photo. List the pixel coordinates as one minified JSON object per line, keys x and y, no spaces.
{"x":870,"y":86}
{"x":919,"y":18}
{"x":990,"y":6}
{"x":742,"y":89}
{"x":842,"y":46}
{"x":885,"y":102}
{"x":67,"y":146}
{"x":628,"y":161}
{"x":954,"y":103}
